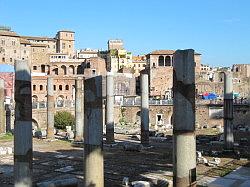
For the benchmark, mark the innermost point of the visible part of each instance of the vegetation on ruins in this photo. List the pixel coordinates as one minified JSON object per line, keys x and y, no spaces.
{"x":63,"y":119}
{"x":122,"y":119}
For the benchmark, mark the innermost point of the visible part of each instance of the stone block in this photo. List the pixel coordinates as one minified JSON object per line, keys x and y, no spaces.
{"x":132,"y":147}
{"x":141,"y":184}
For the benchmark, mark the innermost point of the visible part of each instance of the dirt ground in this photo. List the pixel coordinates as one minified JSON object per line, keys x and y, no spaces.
{"x":59,"y":159}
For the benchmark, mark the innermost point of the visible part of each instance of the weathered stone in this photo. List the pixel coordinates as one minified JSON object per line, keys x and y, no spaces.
{"x":141,"y":184}
{"x":132,"y":147}
{"x":73,"y":182}
{"x":144,"y":110}
{"x":23,"y":125}
{"x":125,"y":181}
{"x":110,"y":108}
{"x":93,"y":129}
{"x":184,"y":143}
{"x":50,"y":108}
{"x":79,"y":107}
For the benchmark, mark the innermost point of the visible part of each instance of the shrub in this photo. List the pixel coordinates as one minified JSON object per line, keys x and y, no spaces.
{"x":63,"y":119}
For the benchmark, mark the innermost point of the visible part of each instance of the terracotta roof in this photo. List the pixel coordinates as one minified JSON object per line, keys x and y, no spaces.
{"x":9,"y":33}
{"x":38,"y":38}
{"x":166,"y":52}
{"x":162,"y":52}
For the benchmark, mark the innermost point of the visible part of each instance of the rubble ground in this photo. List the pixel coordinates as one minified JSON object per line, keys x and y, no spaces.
{"x":59,"y":160}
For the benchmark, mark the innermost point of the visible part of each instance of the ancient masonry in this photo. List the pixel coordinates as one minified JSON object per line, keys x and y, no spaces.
{"x":184,"y":144}
{"x":93,"y":129}
{"x":228,"y":111}
{"x":144,"y":110}
{"x":79,"y":113}
{"x":89,"y":101}
{"x":110,"y":109}
{"x":50,"y":108}
{"x":23,"y":125}
{"x":2,"y":109}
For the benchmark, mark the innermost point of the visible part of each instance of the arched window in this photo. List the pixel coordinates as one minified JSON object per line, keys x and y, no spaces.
{"x":79,"y":69}
{"x":34,"y":87}
{"x":167,"y":61}
{"x":71,"y":70}
{"x":41,"y":87}
{"x":64,"y":70}
{"x":161,"y":61}
{"x":34,"y":98}
{"x":67,"y":87}
{"x":60,"y":87}
{"x":43,"y":68}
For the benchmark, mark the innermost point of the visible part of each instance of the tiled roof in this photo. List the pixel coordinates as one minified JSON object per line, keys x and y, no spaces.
{"x":162,"y":52}
{"x":38,"y":38}
{"x":8,"y":33}
{"x":166,"y":52}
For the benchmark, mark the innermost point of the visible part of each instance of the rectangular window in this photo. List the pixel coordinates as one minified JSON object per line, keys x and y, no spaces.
{"x":3,"y":42}
{"x":63,"y":45}
{"x":54,"y":87}
{"x":14,"y":51}
{"x":10,"y":59}
{"x":34,"y":87}
{"x":3,"y":59}
{"x":34,"y":67}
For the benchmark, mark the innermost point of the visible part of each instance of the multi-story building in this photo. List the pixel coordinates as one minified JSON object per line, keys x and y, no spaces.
{"x":49,"y":57}
{"x":66,"y":42}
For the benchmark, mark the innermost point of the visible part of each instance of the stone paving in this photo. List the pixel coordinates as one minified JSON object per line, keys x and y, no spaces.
{"x":60,"y":160}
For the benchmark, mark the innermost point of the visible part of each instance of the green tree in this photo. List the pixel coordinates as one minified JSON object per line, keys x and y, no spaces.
{"x":63,"y":119}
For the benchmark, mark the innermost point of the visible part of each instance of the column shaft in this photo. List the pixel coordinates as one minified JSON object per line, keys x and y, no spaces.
{"x":93,"y":129}
{"x":2,"y":109}
{"x":184,"y":146}
{"x":228,"y":111}
{"x":23,"y":125}
{"x":144,"y":110}
{"x":110,"y":108}
{"x":79,"y":113}
{"x":50,"y":108}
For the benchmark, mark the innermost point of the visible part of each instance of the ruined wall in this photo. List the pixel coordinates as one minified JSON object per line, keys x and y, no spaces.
{"x":205,"y":115}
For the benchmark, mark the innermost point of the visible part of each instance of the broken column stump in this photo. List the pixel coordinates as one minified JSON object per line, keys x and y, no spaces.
{"x":2,"y":108}
{"x":23,"y":125}
{"x":184,"y":144}
{"x":79,"y":109}
{"x":110,"y":109}
{"x":50,"y":108}
{"x":228,"y":111}
{"x":144,"y":110}
{"x":93,"y":129}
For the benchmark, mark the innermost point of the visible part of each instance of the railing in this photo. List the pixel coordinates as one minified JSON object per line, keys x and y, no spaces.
{"x":137,"y":102}
{"x":58,"y":104}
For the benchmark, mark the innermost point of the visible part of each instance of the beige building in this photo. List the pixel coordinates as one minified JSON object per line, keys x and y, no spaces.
{"x":66,"y":42}
{"x":10,"y":47}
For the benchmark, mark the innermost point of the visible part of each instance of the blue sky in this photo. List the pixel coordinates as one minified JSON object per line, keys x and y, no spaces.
{"x":218,"y":29}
